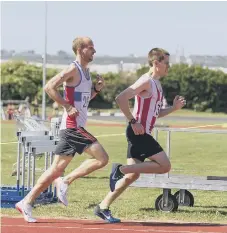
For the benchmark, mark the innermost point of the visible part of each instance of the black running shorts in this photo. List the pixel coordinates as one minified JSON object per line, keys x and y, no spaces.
{"x":141,"y":146}
{"x":74,"y":141}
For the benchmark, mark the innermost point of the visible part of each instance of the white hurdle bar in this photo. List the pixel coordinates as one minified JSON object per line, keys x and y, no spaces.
{"x":38,"y":147}
{"x":21,"y":149}
{"x":42,"y":140}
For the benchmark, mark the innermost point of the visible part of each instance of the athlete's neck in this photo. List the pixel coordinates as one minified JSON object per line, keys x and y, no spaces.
{"x":153,"y":74}
{"x":81,"y":62}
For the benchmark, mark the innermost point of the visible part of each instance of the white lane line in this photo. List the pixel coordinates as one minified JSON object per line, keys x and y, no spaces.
{"x":98,"y":136}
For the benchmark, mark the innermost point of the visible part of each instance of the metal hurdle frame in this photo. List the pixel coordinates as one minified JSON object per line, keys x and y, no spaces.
{"x":34,"y":139}
{"x":32,"y":126}
{"x":31,"y":144}
{"x":36,"y":148}
{"x":22,"y":152}
{"x":168,"y":181}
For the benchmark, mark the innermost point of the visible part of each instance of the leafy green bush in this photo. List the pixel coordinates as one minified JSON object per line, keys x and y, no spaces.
{"x":204,"y":89}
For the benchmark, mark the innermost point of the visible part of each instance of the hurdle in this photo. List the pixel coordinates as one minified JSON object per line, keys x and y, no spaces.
{"x":36,"y":140}
{"x":167,"y":202}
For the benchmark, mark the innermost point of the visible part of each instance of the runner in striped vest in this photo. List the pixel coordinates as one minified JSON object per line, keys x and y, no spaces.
{"x":148,"y":94}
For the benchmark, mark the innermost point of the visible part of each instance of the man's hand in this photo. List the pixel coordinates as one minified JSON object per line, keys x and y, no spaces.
{"x":71,"y":111}
{"x":138,"y":129}
{"x":99,"y":83}
{"x":178,"y":102}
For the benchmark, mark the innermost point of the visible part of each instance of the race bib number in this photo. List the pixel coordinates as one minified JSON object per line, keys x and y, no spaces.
{"x":85,"y":99}
{"x":157,"y":108}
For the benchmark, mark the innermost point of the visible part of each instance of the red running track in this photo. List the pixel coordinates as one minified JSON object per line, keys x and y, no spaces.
{"x":18,"y":225}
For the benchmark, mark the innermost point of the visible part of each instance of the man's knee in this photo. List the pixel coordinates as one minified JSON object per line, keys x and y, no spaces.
{"x":166,"y":166}
{"x":98,"y":152}
{"x":104,"y":159}
{"x":163,"y":161}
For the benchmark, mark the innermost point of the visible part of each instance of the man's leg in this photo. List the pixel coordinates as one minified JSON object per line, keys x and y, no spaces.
{"x":99,"y":159}
{"x":141,"y":147}
{"x":121,"y":185}
{"x":55,"y":170}
{"x":82,"y":141}
{"x":158,"y":164}
{"x":102,"y":210}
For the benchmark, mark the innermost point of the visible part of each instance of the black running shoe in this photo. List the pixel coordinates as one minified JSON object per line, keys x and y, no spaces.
{"x":115,"y":175}
{"x":105,"y":214}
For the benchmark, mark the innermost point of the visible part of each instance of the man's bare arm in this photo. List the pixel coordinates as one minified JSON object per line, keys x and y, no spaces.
{"x":166,"y":111}
{"x":178,"y":103}
{"x":93,"y":93}
{"x":66,"y":75}
{"x":123,"y":98}
{"x":97,"y":87}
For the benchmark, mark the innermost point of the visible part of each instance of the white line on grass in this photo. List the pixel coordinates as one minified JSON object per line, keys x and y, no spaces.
{"x":98,"y":136}
{"x":5,"y":143}
{"x":120,"y":134}
{"x":203,"y":126}
{"x":109,"y":135}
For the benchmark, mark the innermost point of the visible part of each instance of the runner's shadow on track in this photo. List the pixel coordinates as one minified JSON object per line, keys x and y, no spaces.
{"x":76,"y":221}
{"x":129,"y":223}
{"x":173,"y":224}
{"x":162,"y":224}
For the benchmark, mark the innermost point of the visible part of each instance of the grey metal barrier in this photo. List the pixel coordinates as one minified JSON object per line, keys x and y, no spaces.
{"x":167,"y":201}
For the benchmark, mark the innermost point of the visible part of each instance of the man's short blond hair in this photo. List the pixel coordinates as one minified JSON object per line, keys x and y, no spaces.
{"x":156,"y":54}
{"x":80,"y":43}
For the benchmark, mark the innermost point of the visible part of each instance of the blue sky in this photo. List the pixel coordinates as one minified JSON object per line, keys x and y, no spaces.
{"x":117,"y":28}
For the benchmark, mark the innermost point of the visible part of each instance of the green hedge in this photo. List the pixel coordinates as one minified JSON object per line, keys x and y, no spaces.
{"x":204,"y":89}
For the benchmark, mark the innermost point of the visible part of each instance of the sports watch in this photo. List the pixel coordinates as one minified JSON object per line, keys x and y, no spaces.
{"x":132,"y":121}
{"x":97,"y":91}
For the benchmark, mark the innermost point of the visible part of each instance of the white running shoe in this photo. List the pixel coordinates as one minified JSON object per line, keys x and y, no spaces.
{"x":26,"y":210}
{"x":62,"y":189}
